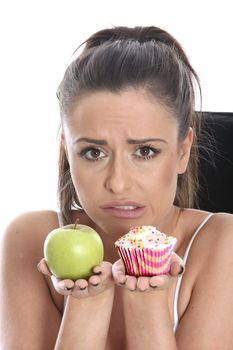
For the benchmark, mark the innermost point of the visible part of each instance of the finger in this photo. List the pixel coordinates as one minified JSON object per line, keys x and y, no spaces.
{"x":97,"y":270}
{"x":43,"y":268}
{"x":143,"y":283}
{"x":99,"y":281}
{"x":131,"y":283}
{"x":80,"y":289}
{"x":94,"y":280}
{"x":160,"y":282}
{"x":81,"y":284}
{"x":176,"y":269}
{"x":102,"y":279}
{"x":153,"y":282}
{"x":119,"y":266}
{"x":63,"y":287}
{"x":119,"y":278}
{"x":104,"y":270}
{"x":66,"y":284}
{"x":95,"y":288}
{"x":177,"y":265}
{"x":118,"y":272}
{"x":176,"y":258}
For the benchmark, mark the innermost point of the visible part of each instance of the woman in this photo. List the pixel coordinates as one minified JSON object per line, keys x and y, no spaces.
{"x":128,"y":157}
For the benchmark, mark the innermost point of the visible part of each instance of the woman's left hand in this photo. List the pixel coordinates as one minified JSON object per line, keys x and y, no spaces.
{"x":147,"y":284}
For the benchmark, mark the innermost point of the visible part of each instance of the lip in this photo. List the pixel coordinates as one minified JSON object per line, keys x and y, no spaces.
{"x":124,"y":209}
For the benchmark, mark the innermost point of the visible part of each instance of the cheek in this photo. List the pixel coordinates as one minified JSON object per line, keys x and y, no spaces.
{"x":88,"y":189}
{"x":81,"y":182}
{"x":164,"y":178}
{"x":166,"y":168}
{"x":169,"y":171}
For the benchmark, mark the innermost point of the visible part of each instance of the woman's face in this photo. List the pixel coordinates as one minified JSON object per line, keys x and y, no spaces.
{"x":124,"y":158}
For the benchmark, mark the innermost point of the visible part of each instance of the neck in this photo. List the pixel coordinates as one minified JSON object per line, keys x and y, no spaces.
{"x":170,"y":223}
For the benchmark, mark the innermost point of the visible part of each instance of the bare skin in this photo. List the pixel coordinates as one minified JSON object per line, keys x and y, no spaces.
{"x":198,"y":314}
{"x":130,"y":169}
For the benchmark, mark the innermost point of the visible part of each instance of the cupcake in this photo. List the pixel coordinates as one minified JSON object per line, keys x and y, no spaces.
{"x":146,"y":251}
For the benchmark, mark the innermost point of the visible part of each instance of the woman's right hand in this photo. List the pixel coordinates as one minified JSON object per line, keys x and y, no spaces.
{"x":96,"y":284}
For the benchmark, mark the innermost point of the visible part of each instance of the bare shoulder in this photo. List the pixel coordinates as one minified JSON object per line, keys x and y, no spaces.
{"x":214,"y":246}
{"x":211,"y":248}
{"x":215,"y":233}
{"x":216,"y":237}
{"x":223,"y":221}
{"x":209,"y":267}
{"x":216,"y":242}
{"x":21,"y":250}
{"x":42,"y":217}
{"x":26,"y":232}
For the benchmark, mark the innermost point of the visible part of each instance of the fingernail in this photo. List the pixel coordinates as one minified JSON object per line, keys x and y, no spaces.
{"x":181,"y":270}
{"x":66,"y":288}
{"x":122,"y":283}
{"x":153,"y":286}
{"x":98,"y":273}
{"x":38,"y":267}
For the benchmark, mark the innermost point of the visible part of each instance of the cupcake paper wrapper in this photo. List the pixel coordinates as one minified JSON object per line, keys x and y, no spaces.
{"x":146,"y":261}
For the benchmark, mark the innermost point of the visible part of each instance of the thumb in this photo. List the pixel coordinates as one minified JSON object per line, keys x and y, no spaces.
{"x":43,"y":268}
{"x":177,"y":265}
{"x":118,"y":272}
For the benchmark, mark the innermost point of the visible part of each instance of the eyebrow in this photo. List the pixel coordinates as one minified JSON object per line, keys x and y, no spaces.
{"x":129,"y":141}
{"x":86,"y":139}
{"x":141,"y":141}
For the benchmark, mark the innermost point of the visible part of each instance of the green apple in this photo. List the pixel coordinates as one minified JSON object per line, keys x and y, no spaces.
{"x":73,"y":251}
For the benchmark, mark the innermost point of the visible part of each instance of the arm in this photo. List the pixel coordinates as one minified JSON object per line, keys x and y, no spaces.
{"x":30,"y":317}
{"x":88,"y":308}
{"x":86,"y":322}
{"x":147,"y":315}
{"x":208,"y":320}
{"x":148,"y":321}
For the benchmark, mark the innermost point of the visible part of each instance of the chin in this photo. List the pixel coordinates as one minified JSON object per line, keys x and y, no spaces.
{"x":121,"y":227}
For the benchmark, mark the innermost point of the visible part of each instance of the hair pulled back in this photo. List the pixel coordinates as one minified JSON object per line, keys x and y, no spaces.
{"x":141,"y":57}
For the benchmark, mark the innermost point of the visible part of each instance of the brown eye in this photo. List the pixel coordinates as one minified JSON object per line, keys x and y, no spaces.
{"x":146,"y":152}
{"x":92,"y":154}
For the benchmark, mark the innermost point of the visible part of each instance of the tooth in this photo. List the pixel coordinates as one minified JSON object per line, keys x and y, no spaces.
{"x":126,"y":207}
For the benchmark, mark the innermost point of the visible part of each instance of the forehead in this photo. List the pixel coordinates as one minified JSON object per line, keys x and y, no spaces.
{"x":133,"y":110}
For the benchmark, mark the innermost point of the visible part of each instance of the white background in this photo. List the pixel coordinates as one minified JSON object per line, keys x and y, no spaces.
{"x":37,"y":39}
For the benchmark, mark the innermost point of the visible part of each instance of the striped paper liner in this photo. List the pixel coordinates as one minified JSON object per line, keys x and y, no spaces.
{"x":146,"y":261}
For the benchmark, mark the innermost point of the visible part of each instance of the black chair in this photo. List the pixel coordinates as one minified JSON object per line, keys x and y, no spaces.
{"x":216,"y":164}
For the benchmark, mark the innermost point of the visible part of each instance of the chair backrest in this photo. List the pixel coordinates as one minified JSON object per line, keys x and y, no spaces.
{"x":216,"y":165}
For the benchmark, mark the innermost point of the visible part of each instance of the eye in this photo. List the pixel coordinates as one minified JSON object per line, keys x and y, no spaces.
{"x":92,"y":154}
{"x":146,"y":152}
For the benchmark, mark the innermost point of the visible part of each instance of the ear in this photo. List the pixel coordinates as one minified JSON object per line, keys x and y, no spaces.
{"x":184,"y":151}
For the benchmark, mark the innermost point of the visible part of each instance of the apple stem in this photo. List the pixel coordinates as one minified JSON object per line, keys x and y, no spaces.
{"x":76,"y":223}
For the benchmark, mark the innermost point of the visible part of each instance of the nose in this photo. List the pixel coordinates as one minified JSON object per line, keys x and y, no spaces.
{"x":119,"y":177}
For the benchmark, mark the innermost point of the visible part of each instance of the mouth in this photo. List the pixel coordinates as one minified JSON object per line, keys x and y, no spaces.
{"x":124,"y":210}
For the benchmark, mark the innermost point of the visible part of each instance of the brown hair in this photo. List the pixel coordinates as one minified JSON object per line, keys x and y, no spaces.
{"x":122,"y":57}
